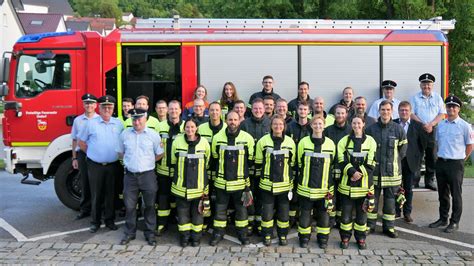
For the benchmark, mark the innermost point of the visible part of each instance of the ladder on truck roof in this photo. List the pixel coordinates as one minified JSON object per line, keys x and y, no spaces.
{"x":201,"y":23}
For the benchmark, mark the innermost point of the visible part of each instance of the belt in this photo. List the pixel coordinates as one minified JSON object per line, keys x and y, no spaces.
{"x":137,"y":173}
{"x":103,"y":164}
{"x":449,"y":160}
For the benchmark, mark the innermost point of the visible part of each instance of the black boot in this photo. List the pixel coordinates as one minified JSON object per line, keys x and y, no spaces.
{"x":243,"y":237}
{"x":216,"y":238}
{"x":323,"y":244}
{"x":267,"y":241}
{"x":183,"y":241}
{"x":304,"y":240}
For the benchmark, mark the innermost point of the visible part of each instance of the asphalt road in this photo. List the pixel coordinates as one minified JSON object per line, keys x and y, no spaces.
{"x":37,"y":215}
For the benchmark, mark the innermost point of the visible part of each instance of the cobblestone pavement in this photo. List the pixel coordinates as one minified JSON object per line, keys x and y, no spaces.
{"x":381,"y":251}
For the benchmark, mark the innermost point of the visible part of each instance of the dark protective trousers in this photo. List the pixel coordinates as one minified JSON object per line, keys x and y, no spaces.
{"x":85,"y":203}
{"x":133,"y":185}
{"x":408,"y":177}
{"x":189,"y":219}
{"x":163,"y":200}
{"x":388,"y":219}
{"x":336,"y":215}
{"x":255,"y":210}
{"x":359,"y":224}
{"x":449,"y":175}
{"x":102,"y":182}
{"x":281,"y":204}
{"x":241,"y":217}
{"x":322,"y":219}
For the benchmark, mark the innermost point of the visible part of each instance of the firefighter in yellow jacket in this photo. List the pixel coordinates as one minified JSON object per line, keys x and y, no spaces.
{"x":190,"y":156}
{"x":315,"y":189}
{"x":275,"y":155}
{"x":234,"y":149}
{"x":169,"y":130}
{"x":355,"y":154}
{"x":207,"y":131}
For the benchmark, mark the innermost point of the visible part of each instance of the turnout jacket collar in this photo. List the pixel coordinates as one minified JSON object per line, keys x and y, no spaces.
{"x":257,"y":120}
{"x":379,"y":121}
{"x":230,"y":134}
{"x":174,"y":125}
{"x":318,"y":141}
{"x":264,"y":93}
{"x":216,"y":129}
{"x":352,"y":137}
{"x":192,"y":142}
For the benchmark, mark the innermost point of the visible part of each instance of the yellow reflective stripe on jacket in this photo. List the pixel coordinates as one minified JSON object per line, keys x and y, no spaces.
{"x":263,"y":155}
{"x":368,"y":148}
{"x":243,"y":142}
{"x":163,"y":129}
{"x":305,"y":153}
{"x":179,"y":156}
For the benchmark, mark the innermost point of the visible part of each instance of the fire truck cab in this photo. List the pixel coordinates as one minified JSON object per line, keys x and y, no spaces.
{"x":45,"y":75}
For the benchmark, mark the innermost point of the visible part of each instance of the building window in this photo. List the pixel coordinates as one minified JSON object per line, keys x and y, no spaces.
{"x":37,"y":22}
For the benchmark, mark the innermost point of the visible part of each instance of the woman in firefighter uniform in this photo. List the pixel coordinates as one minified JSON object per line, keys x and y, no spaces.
{"x":315,"y":189}
{"x":190,"y":156}
{"x":228,"y":98}
{"x":355,"y":154}
{"x":275,"y":156}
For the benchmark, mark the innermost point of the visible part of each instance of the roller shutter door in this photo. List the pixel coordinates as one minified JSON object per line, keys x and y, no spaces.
{"x":245,"y":66}
{"x":329,"y":69}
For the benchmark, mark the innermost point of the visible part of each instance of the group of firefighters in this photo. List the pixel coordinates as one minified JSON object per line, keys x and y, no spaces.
{"x":271,"y":160}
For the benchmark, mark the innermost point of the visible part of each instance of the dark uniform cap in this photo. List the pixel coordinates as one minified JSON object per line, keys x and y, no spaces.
{"x":89,"y":98}
{"x":453,"y":100}
{"x":389,"y":84}
{"x":106,"y":100}
{"x":137,"y":113}
{"x":427,"y":77}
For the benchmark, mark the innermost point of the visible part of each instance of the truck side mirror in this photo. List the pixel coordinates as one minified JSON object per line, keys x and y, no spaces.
{"x":3,"y":90}
{"x":40,"y":67}
{"x":4,"y":69}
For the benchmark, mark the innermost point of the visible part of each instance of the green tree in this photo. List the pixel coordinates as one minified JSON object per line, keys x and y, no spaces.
{"x":103,"y":8}
{"x":461,"y":51}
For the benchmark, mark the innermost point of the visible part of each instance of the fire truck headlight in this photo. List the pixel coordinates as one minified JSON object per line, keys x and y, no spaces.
{"x":19,"y":114}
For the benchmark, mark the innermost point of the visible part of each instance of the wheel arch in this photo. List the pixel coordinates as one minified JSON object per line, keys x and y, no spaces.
{"x":57,"y":152}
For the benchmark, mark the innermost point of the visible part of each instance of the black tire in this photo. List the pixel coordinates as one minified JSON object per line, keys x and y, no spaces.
{"x":67,"y":184}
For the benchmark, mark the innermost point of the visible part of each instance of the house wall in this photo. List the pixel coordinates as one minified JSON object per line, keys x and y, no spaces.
{"x":61,"y":26}
{"x":35,"y":9}
{"x":10,"y":30}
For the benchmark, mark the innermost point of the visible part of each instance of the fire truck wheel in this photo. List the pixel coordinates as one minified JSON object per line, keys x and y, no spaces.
{"x":67,"y":185}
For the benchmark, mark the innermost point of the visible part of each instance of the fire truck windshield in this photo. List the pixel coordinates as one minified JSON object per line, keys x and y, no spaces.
{"x":35,"y":76}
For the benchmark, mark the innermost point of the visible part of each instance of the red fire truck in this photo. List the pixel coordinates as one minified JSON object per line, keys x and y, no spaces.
{"x":44,"y":76}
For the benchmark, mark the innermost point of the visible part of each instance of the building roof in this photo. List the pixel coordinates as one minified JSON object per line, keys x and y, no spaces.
{"x":18,"y":5}
{"x":77,"y":25}
{"x":37,"y":23}
{"x":97,"y":24}
{"x":55,"y":6}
